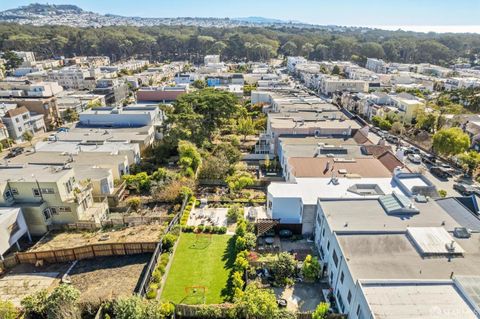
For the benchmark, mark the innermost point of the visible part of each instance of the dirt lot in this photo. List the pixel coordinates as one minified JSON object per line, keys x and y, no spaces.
{"x":108,"y":277}
{"x":27,"y":279}
{"x":59,"y":240}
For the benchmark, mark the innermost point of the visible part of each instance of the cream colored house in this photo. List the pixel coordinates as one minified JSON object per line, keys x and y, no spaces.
{"x":49,"y":195}
{"x":407,"y":107}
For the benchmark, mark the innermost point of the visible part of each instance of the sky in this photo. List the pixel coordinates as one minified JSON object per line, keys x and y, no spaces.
{"x":418,"y":15}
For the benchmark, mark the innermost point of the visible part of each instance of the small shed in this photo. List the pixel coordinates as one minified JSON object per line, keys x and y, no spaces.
{"x":12,"y":228}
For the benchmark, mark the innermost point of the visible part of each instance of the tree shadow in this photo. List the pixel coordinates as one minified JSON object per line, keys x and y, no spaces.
{"x":228,"y":257}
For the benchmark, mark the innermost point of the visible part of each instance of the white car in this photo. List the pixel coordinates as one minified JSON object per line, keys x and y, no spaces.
{"x":414,"y":158}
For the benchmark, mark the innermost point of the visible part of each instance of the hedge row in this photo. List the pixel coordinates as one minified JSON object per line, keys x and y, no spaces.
{"x":188,"y":209}
{"x":205,"y":229}
{"x":157,"y":276}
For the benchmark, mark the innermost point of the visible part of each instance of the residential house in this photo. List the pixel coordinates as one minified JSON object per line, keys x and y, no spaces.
{"x":12,"y":228}
{"x":19,"y":121}
{"x":49,"y":195}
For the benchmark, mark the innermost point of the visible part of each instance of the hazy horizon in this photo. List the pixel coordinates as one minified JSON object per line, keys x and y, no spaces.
{"x":409,"y":15}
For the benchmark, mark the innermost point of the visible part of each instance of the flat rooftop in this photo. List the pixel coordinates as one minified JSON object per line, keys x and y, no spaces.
{"x":31,"y":173}
{"x":325,"y":167}
{"x":290,"y":122}
{"x":429,"y":300}
{"x":79,"y":134}
{"x":394,"y":256}
{"x":370,"y":215}
{"x":310,"y":189}
{"x":58,"y":158}
{"x":312,"y":150}
{"x":73,"y":147}
{"x":314,"y":141}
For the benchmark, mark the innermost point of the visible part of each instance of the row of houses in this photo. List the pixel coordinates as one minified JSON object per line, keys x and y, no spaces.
{"x":389,"y":245}
{"x":76,"y":175}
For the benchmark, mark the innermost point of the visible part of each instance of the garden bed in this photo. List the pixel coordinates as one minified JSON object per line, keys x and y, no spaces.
{"x":199,"y":270}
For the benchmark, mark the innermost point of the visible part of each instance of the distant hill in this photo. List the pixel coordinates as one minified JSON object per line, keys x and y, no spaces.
{"x":71,"y":15}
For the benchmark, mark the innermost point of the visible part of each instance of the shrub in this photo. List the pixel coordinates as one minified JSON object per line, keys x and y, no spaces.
{"x":200,"y":229}
{"x":241,"y":228}
{"x":321,"y":311}
{"x":157,"y":276}
{"x":223,"y":230}
{"x":234,"y":213}
{"x":7,"y":309}
{"x":152,"y":291}
{"x":241,"y":263}
{"x":35,"y":305}
{"x":240,"y":243}
{"x":134,"y":203}
{"x":188,"y":229}
{"x":168,"y":241}
{"x":250,"y":240}
{"x":283,"y":269}
{"x":164,"y":258}
{"x":311,"y":268}
{"x":129,"y":308}
{"x":442,"y":193}
{"x":208,"y":229}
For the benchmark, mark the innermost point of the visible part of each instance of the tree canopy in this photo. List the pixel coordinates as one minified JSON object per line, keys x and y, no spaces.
{"x":450,"y":141}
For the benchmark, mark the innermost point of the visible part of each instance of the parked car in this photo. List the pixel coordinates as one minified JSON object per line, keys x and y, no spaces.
{"x":414,"y":158}
{"x":63,"y":129}
{"x":52,"y":137}
{"x":464,"y":189}
{"x":429,"y":159}
{"x":15,"y":152}
{"x":440,"y":172}
{"x":392,"y":139}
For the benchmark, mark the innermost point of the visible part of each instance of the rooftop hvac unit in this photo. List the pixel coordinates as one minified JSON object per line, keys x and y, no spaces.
{"x":462,"y":232}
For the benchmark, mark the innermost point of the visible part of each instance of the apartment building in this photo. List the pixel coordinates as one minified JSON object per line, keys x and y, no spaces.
{"x":114,"y":90}
{"x":294,"y":61}
{"x":19,"y":120}
{"x":26,"y":89}
{"x":49,"y":195}
{"x":330,"y":84}
{"x":162,"y":94}
{"x":209,"y":59}
{"x":73,"y":78}
{"x":376,"y":65}
{"x":127,"y":116}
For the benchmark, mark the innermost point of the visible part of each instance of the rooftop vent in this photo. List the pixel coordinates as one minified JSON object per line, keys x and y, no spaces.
{"x":462,"y":232}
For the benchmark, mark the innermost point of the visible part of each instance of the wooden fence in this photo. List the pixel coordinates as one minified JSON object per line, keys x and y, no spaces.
{"x":111,"y":222}
{"x":85,"y":252}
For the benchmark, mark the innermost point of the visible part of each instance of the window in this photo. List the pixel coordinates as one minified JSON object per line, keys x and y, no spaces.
{"x":328,"y":245}
{"x":14,"y":191}
{"x":53,"y":211}
{"x":359,"y":311}
{"x":331,"y":277}
{"x":7,"y":194}
{"x":17,"y":120}
{"x":340,"y":300}
{"x":64,"y":209}
{"x":335,"y":258}
{"x":349,"y":296}
{"x":36,"y":192}
{"x":20,"y":129}
{"x":270,"y":204}
{"x":323,"y":232}
{"x":48,"y":191}
{"x":46,"y":214}
{"x":342,"y":277}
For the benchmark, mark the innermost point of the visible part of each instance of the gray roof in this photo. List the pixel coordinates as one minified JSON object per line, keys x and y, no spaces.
{"x":460,"y":213}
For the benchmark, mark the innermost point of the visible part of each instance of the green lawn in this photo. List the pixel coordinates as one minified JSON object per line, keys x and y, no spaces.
{"x":199,"y":263}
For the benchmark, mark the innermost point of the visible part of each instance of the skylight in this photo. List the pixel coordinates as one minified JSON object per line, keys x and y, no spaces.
{"x":397,"y":204}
